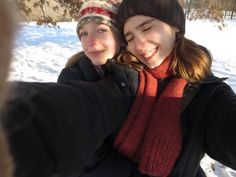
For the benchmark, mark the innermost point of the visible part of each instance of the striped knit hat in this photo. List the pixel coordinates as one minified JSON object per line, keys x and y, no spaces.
{"x":100,"y":11}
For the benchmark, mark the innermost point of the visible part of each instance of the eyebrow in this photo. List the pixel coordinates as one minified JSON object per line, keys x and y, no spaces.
{"x":81,"y":28}
{"x":140,"y":26}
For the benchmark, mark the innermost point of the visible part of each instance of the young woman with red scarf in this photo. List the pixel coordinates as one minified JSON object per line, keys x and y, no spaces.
{"x":181,"y":111}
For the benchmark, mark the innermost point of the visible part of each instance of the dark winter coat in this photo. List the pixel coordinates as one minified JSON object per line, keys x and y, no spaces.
{"x":83,"y":70}
{"x":61,"y":129}
{"x":205,"y":130}
{"x":207,"y":123}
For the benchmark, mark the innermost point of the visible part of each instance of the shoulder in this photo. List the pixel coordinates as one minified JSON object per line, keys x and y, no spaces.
{"x":82,"y":70}
{"x":74,"y":59}
{"x":123,"y":74}
{"x":215,"y":86}
{"x":213,"y":95}
{"x":72,"y":70}
{"x":203,"y":92}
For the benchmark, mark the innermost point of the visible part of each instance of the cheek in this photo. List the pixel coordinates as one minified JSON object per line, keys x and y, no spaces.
{"x":113,"y":49}
{"x":169,"y":41}
{"x":112,"y":43}
{"x":131,"y":48}
{"x":109,"y":37}
{"x":83,"y":43}
{"x":170,"y":36}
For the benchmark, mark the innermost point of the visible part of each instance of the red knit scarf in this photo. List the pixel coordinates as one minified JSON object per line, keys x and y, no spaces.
{"x":151,"y":134}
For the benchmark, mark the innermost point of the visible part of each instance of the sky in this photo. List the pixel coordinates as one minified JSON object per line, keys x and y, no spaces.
{"x":40,"y":53}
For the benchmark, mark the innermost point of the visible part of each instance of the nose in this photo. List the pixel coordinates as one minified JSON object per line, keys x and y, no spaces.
{"x":91,"y":39}
{"x":140,"y":42}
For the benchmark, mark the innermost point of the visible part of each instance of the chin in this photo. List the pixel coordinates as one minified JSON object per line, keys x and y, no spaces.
{"x":98,"y":63}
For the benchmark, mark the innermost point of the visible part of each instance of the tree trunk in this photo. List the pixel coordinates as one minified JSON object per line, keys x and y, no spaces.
{"x":233,"y":9}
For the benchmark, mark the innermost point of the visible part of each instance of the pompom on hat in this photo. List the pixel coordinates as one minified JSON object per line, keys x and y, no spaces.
{"x":100,"y":11}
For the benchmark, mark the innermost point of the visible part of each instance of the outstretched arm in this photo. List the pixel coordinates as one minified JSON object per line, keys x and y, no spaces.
{"x":220,"y":127}
{"x":54,"y":128}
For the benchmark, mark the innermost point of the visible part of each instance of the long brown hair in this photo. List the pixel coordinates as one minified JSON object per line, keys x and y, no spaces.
{"x":191,"y":61}
{"x":128,"y":59}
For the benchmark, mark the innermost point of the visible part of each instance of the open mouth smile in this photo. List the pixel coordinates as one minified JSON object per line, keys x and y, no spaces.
{"x":148,"y":55}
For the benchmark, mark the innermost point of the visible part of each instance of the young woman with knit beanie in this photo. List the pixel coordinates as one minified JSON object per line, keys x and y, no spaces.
{"x":181,"y":111}
{"x":66,"y":129}
{"x":98,"y":34}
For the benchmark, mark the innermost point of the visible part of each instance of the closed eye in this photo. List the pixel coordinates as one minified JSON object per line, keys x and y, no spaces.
{"x":147,"y":28}
{"x":129,"y":38}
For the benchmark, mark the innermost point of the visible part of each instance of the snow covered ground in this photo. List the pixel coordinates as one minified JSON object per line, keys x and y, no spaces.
{"x":41,"y":52}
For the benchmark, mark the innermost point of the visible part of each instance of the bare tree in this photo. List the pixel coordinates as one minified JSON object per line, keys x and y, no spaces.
{"x":70,"y":8}
{"x":233,"y":9}
{"x":205,"y":9}
{"x":194,"y":9}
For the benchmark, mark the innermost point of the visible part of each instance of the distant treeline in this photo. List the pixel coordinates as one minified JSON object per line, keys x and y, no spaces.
{"x":210,"y":8}
{"x":52,"y":11}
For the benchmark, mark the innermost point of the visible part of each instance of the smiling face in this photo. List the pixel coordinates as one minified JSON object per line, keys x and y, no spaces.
{"x":99,"y":41}
{"x":149,"y":39}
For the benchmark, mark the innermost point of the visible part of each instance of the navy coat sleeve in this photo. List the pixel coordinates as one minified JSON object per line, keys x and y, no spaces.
{"x":55,"y":128}
{"x":66,"y":75}
{"x":220,"y":126}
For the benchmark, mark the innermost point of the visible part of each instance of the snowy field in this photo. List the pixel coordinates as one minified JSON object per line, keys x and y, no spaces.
{"x":41,"y":52}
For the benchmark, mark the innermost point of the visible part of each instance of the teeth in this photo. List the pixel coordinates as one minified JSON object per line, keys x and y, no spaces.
{"x":149,"y":53}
